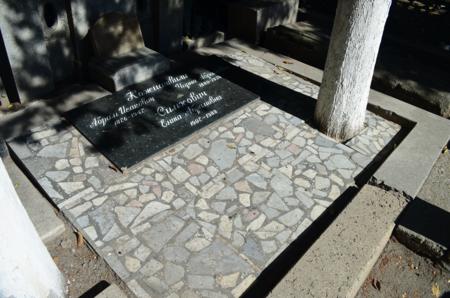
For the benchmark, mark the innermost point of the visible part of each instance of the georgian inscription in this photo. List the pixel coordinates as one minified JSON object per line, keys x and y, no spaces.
{"x":134,"y":123}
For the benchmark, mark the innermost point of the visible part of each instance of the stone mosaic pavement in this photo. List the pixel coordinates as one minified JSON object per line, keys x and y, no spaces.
{"x":204,"y":217}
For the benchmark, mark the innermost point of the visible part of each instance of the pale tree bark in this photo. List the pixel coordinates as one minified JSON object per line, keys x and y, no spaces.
{"x":355,"y":40}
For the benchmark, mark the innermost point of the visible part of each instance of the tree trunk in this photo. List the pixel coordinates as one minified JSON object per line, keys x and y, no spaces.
{"x":355,"y":40}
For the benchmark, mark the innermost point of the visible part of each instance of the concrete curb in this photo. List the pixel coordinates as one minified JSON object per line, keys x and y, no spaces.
{"x":337,"y":264}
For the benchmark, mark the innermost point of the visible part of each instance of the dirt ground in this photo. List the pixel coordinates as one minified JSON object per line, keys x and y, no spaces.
{"x":401,"y":273}
{"x":86,"y":274}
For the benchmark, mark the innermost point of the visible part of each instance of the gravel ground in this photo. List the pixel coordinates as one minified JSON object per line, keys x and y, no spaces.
{"x":401,"y":273}
{"x":86,"y":274}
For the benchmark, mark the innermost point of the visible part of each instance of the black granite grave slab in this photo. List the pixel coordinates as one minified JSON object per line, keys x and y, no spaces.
{"x":130,"y":125}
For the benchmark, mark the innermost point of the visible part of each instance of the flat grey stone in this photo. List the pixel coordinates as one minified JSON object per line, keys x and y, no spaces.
{"x":227,"y":194}
{"x":200,"y":281}
{"x":158,"y":285}
{"x":291,"y":218}
{"x":222,"y":155}
{"x":252,"y":250}
{"x":192,"y":151}
{"x":126,"y":214}
{"x":48,"y":187}
{"x":160,"y":233}
{"x":54,"y":151}
{"x":173,"y":273}
{"x":277,"y":203}
{"x":282,"y":185}
{"x":151,"y":267}
{"x":341,"y":161}
{"x":257,"y":180}
{"x":150,"y":210}
{"x":176,"y":254}
{"x":258,"y":127}
{"x":104,"y":217}
{"x":322,"y":183}
{"x":217,"y":258}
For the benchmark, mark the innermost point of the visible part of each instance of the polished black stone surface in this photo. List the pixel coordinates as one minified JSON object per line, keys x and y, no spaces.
{"x":130,"y":125}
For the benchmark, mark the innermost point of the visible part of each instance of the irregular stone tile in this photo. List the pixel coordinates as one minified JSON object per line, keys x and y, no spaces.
{"x":197,"y":244}
{"x":258,"y":127}
{"x":257,"y":223}
{"x":173,"y":273}
{"x":227,"y":281}
{"x":150,"y":210}
{"x":151,"y":267}
{"x":269,"y":246}
{"x":322,"y":183}
{"x":126,"y":214}
{"x":159,"y":234}
{"x":180,"y":174}
{"x":270,"y":230}
{"x":91,"y":162}
{"x":176,"y":254}
{"x":113,"y":233}
{"x":136,"y":288}
{"x":200,"y":281}
{"x":157,"y":285}
{"x":57,"y":176}
{"x":192,"y":151}
{"x":260,"y":197}
{"x":103,"y":217}
{"x":91,"y":232}
{"x":54,"y":151}
{"x":71,"y":187}
{"x":227,"y":194}
{"x":142,"y":253}
{"x":257,"y":180}
{"x":244,"y":199}
{"x":225,"y":226}
{"x":222,"y":155}
{"x":132,"y":264}
{"x":48,"y":188}
{"x":216,"y":259}
{"x":61,"y":164}
{"x":291,"y":218}
{"x":242,"y":186}
{"x":244,"y":285}
{"x":195,"y":169}
{"x":282,"y":185}
{"x":317,"y":211}
{"x":118,"y":187}
{"x":77,"y":211}
{"x":277,"y":203}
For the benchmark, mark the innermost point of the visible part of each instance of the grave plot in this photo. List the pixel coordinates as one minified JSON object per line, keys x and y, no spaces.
{"x":207,"y":215}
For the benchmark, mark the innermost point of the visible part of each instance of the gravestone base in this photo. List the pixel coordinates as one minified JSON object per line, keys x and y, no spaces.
{"x":248,"y":19}
{"x":116,"y":73}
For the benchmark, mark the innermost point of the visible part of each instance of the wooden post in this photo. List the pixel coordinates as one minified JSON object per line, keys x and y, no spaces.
{"x":355,"y":41}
